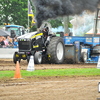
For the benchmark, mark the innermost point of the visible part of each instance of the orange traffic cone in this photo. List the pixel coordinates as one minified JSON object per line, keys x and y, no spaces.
{"x":17,"y":71}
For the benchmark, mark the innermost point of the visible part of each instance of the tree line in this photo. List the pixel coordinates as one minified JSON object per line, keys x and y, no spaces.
{"x":16,"y":12}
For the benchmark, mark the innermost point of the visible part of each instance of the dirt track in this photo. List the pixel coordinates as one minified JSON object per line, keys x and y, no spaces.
{"x":50,"y":88}
{"x":7,"y":64}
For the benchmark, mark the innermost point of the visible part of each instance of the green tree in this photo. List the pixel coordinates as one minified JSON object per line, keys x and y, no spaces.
{"x":14,"y":12}
{"x":19,"y":11}
{"x":5,"y":11}
{"x":56,"y":22}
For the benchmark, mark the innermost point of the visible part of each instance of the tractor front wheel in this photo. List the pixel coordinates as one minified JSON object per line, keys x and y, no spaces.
{"x":38,"y":58}
{"x":15,"y":59}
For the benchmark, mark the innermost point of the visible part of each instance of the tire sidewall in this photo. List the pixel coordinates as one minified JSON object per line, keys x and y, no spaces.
{"x":36,"y":59}
{"x":59,"y":41}
{"x":14,"y":58}
{"x":52,"y":50}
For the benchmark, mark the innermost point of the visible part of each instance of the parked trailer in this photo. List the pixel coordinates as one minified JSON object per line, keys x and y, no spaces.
{"x":86,"y":49}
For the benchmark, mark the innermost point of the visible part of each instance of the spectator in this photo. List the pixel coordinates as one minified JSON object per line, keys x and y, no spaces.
{"x":13,"y":39}
{"x":5,"y":41}
{"x":15,"y":43}
{"x":8,"y":38}
{"x":10,"y":43}
{"x":1,"y":42}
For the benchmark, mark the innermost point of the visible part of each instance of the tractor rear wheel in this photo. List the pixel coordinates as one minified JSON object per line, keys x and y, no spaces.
{"x":56,"y":50}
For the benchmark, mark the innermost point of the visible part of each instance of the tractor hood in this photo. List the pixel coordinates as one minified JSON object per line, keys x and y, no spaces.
{"x":28,"y":35}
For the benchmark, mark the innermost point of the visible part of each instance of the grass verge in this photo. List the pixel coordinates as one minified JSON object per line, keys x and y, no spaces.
{"x":53,"y":72}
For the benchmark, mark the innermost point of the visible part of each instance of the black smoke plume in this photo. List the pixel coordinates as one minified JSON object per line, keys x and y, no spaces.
{"x":46,"y":9}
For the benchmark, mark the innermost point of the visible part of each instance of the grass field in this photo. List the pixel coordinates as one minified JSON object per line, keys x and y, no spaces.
{"x":53,"y":72}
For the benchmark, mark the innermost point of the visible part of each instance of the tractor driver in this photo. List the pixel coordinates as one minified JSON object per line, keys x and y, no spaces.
{"x":45,"y":31}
